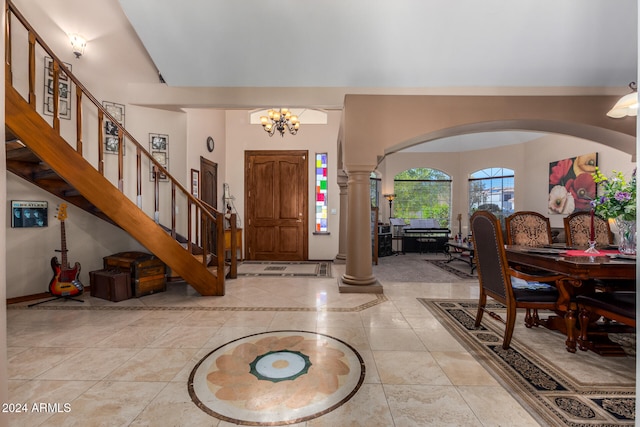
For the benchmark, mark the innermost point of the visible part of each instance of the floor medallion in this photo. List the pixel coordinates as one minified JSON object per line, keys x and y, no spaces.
{"x":276,"y":378}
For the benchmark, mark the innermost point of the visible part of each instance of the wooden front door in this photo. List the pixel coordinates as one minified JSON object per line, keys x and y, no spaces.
{"x":209,"y":193}
{"x":276,"y":191}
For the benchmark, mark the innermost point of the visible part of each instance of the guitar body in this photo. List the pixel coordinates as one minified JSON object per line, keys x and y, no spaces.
{"x":65,"y":281}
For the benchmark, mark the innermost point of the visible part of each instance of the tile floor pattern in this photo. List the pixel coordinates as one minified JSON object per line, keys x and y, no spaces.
{"x":131,"y":366}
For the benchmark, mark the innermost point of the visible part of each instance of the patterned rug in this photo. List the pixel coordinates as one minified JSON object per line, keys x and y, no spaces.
{"x":285,"y":268}
{"x":457,"y":268}
{"x":556,"y":387}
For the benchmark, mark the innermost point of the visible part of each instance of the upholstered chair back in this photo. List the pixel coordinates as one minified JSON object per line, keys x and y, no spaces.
{"x":491,"y":261}
{"x":527,"y":228}
{"x":577,"y":228}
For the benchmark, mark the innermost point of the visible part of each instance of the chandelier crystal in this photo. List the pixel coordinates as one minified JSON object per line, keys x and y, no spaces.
{"x":281,"y":120}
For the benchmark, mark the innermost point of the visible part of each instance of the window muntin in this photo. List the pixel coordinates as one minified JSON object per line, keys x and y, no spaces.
{"x":492,"y":190}
{"x":423,"y":193}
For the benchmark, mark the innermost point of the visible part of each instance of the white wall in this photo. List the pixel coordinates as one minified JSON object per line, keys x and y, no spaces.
{"x":530,"y":161}
{"x":29,"y":250}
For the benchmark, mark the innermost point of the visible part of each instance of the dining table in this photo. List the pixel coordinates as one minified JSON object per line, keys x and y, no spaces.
{"x":582,"y":272}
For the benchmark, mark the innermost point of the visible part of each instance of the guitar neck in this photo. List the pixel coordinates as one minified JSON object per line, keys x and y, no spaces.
{"x":63,"y":246}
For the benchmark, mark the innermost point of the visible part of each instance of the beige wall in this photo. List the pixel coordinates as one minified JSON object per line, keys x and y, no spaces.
{"x":242,"y":136}
{"x":530,"y":161}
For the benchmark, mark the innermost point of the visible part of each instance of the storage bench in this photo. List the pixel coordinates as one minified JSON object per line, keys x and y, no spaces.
{"x":112,"y":285}
{"x":148,"y":274}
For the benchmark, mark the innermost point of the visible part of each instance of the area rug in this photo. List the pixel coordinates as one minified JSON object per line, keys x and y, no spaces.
{"x":285,"y":268}
{"x":458,"y":268}
{"x":411,"y":267}
{"x":556,"y":387}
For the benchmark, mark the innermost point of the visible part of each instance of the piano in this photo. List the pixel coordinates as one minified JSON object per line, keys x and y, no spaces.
{"x":424,"y":235}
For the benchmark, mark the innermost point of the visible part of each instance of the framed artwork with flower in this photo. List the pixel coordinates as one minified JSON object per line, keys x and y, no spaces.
{"x":571,"y":184}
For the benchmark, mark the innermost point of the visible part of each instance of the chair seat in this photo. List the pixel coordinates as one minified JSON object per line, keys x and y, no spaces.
{"x":536,"y":296}
{"x":622,"y":303}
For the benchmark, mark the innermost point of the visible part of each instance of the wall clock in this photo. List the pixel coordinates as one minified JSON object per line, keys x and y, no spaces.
{"x":210,"y":144}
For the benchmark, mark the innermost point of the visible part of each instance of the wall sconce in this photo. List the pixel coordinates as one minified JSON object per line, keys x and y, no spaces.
{"x":78,"y":43}
{"x":390,"y":198}
{"x":627,"y":105}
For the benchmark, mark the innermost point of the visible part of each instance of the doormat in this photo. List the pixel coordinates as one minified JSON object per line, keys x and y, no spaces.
{"x":556,"y":387}
{"x":285,"y":268}
{"x":458,"y":268}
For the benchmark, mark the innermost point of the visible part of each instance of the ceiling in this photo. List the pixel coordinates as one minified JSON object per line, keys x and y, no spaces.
{"x":405,"y":46}
{"x":382,"y":44}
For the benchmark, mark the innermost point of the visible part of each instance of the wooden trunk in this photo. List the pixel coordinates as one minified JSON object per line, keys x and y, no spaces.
{"x":148,"y":273}
{"x":112,"y":285}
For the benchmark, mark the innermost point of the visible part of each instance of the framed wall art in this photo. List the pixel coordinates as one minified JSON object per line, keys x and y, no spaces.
{"x":571,"y":186}
{"x":64,"y":91}
{"x":195,"y":183}
{"x":26,"y":214}
{"x":110,"y":129}
{"x":159,"y":149}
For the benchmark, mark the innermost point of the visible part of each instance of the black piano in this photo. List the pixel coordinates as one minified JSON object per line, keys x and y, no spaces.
{"x":424,"y":235}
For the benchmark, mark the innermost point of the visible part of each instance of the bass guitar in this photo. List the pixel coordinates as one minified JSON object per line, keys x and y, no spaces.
{"x":65,"y":281}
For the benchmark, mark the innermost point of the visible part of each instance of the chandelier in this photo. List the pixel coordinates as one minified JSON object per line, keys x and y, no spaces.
{"x":280,"y":120}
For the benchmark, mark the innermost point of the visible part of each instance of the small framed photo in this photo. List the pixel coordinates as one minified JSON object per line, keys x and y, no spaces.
{"x":111,"y":144}
{"x":195,"y":183}
{"x":158,"y":142}
{"x":27,"y":214}
{"x":116,"y":111}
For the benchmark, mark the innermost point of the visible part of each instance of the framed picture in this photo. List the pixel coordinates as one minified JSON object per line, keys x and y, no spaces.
{"x":195,"y":183}
{"x":110,"y":129}
{"x":64,"y":91}
{"x":26,"y":214}
{"x":159,"y":148}
{"x":571,"y":186}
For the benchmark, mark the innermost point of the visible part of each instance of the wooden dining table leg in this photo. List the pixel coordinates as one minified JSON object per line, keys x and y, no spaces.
{"x":570,"y":320}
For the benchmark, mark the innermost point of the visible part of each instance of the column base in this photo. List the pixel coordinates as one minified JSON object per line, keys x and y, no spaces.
{"x":340,"y":259}
{"x":345,"y":288}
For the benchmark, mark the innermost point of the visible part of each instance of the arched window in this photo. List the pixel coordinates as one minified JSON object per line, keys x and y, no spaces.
{"x":423,"y":193}
{"x":491,"y":190}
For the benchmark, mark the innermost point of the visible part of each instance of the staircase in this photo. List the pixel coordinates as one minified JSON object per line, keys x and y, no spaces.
{"x":38,"y":153}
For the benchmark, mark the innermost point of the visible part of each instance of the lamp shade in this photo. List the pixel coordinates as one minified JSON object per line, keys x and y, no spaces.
{"x":626,"y":106}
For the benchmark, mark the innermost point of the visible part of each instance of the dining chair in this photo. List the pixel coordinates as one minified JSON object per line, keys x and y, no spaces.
{"x":577,"y":229}
{"x":528,"y":228}
{"x":617,"y":306}
{"x":511,"y":287}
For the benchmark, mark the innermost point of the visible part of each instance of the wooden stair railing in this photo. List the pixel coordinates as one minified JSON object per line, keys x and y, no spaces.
{"x":46,"y":142}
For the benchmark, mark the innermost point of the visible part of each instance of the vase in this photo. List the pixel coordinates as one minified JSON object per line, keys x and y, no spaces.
{"x":627,"y":235}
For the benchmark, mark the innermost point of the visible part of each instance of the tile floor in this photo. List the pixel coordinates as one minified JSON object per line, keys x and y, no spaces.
{"x":131,"y":366}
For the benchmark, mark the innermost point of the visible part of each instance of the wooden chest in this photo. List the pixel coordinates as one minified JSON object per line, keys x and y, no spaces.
{"x":112,"y":285}
{"x":148,"y":273}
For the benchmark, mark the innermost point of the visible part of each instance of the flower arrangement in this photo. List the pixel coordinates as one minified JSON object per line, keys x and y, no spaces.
{"x":618,"y":196}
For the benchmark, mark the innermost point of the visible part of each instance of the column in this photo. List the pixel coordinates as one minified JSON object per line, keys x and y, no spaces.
{"x":358,"y":275}
{"x":344,"y":208}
